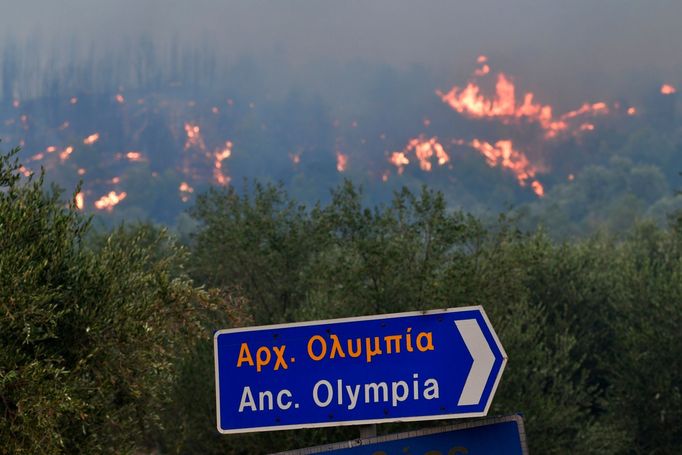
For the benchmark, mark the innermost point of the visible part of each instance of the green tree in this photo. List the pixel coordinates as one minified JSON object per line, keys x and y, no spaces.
{"x":91,"y":332}
{"x":416,"y":254}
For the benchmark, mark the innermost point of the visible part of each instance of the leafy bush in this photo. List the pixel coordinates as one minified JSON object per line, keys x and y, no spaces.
{"x":92,"y":331}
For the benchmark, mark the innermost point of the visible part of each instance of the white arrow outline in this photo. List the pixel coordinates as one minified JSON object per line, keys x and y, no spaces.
{"x":484,"y":360}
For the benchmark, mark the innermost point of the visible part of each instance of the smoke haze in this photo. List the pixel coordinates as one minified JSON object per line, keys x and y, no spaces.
{"x":562,"y":50}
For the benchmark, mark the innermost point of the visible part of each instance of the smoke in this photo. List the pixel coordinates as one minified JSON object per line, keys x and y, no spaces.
{"x":561,"y":50}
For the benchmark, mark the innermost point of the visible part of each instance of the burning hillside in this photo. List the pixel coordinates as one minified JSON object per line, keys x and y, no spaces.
{"x":153,"y":149}
{"x":504,"y":107}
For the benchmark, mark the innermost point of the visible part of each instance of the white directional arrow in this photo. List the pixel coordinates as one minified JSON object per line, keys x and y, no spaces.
{"x":484,"y":359}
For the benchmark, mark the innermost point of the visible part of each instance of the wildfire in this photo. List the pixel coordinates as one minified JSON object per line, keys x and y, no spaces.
{"x":538,"y":188}
{"x":587,"y":108}
{"x":424,"y":150}
{"x":488,"y":95}
{"x":80,"y":200}
{"x":185,"y":188}
{"x":471,"y":102}
{"x":399,"y":160}
{"x":108,"y":201}
{"x":194,"y":138}
{"x":667,"y":89}
{"x":185,"y":191}
{"x":135,"y":156}
{"x":341,"y":162}
{"x":219,"y":156}
{"x":91,"y":139}
{"x":295,"y":157}
{"x":503,"y":154}
{"x":484,"y":69}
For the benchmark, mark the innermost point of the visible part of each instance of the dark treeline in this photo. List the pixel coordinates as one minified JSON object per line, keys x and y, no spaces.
{"x":33,"y":68}
{"x":105,"y":337}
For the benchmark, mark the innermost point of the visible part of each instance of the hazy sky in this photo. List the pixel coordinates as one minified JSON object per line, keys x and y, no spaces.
{"x":581,"y":45}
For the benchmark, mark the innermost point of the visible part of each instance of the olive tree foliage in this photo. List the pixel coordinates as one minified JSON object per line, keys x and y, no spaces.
{"x":346,"y":259}
{"x":646,"y":371}
{"x":92,"y":330}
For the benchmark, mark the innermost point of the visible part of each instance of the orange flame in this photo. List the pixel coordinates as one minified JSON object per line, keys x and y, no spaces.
{"x":135,"y":156}
{"x":471,"y":102}
{"x":80,"y":200}
{"x":73,"y":100}
{"x":399,"y":160}
{"x":482,"y":71}
{"x":64,"y":155}
{"x":120,"y":99}
{"x":632,"y":111}
{"x":667,"y":89}
{"x":295,"y":157}
{"x":503,"y":154}
{"x":51,"y":149}
{"x":587,"y":108}
{"x":341,"y":162}
{"x":108,"y":201}
{"x":538,"y":188}
{"x":194,"y":138}
{"x":424,"y":150}
{"x":186,"y":190}
{"x":91,"y":139}
{"x":221,"y":155}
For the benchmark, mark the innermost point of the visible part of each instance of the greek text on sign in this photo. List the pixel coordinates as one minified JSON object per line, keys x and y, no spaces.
{"x":396,"y":367}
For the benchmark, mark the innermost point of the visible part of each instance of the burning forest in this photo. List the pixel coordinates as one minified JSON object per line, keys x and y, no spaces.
{"x":149,"y":150}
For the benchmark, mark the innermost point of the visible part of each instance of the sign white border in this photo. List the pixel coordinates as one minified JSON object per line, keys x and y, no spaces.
{"x":354,"y":319}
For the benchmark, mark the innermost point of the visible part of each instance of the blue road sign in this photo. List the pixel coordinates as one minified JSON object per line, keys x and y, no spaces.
{"x":496,"y":436}
{"x":396,"y":367}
